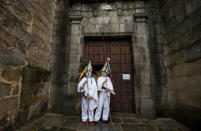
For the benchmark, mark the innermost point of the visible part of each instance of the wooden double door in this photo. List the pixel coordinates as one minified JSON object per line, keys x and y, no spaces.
{"x":120,"y":52}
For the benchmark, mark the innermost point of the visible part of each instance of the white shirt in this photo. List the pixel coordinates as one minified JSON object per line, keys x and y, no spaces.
{"x":89,"y":89}
{"x":107,"y":84}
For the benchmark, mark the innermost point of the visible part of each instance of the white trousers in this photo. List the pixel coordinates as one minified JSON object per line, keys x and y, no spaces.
{"x":85,"y":110}
{"x":103,"y":104}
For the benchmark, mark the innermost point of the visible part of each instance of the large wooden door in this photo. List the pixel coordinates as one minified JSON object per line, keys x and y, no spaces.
{"x":119,"y":50}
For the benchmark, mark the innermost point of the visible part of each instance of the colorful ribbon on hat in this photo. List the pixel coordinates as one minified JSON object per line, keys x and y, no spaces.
{"x":110,"y":73}
{"x":109,"y":69}
{"x":82,"y":73}
{"x":86,"y":69}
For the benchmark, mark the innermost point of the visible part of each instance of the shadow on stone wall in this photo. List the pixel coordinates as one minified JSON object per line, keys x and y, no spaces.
{"x":34,"y":93}
{"x":71,"y":105}
{"x":60,"y":101}
{"x":189,"y":116}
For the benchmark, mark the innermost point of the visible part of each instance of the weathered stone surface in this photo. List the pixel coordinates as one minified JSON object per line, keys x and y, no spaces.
{"x":90,"y":29}
{"x":26,"y":4}
{"x":192,"y":6}
{"x":25,"y":36}
{"x":188,"y":39}
{"x":185,"y":69}
{"x":60,"y":122}
{"x":25,"y":39}
{"x":108,"y":22}
{"x":183,"y":58}
{"x":5,"y":89}
{"x":3,"y":121}
{"x":34,"y":92}
{"x":176,"y":58}
{"x":145,"y":90}
{"x":35,"y":74}
{"x":141,"y":28}
{"x":189,"y":97}
{"x":9,"y":104}
{"x":147,"y":108}
{"x":60,"y":53}
{"x":142,"y":67}
{"x":15,"y":90}
{"x":9,"y":57}
{"x":59,"y":78}
{"x":12,"y":74}
{"x":169,"y":124}
{"x":194,"y":52}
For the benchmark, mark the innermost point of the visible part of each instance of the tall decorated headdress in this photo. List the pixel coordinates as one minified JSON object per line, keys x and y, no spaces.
{"x":88,"y":68}
{"x":106,"y":68}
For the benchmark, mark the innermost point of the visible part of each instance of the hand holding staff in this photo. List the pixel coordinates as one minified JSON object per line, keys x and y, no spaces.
{"x":85,"y":82}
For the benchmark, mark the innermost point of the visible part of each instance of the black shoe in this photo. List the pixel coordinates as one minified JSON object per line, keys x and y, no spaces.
{"x":105,"y":121}
{"x":95,"y":122}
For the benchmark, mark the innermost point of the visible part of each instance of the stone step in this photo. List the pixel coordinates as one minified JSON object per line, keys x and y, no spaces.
{"x":125,"y":122}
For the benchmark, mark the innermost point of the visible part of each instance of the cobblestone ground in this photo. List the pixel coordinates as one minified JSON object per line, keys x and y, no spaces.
{"x":57,"y":122}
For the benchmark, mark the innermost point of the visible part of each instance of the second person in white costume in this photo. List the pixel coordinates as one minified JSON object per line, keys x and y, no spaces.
{"x":105,"y":87}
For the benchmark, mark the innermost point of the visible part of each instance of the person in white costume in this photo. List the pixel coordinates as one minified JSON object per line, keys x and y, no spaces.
{"x":88,"y":87}
{"x":105,"y":87}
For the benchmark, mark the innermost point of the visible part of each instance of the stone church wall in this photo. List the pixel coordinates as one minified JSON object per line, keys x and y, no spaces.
{"x":25,"y":44}
{"x":157,"y":60}
{"x":60,"y":59}
{"x":182,"y":33}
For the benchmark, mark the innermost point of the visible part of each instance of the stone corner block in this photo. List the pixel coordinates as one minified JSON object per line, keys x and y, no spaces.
{"x":147,"y":108}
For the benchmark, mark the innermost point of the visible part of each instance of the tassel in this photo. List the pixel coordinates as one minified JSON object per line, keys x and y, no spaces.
{"x":91,"y":79}
{"x":110,"y":74}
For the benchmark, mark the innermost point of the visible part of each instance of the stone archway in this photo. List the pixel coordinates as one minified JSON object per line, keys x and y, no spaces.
{"x":114,"y":25}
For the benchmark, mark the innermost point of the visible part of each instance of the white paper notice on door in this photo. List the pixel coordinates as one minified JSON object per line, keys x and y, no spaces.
{"x":126,"y":76}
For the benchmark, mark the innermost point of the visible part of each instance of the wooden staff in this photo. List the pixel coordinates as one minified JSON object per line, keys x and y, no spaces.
{"x":88,"y":102}
{"x":88,"y":94}
{"x":109,"y":108}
